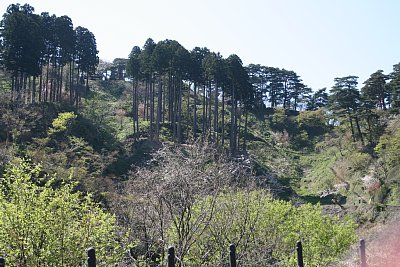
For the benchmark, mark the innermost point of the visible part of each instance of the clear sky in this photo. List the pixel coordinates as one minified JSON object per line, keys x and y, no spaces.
{"x":318,"y":39}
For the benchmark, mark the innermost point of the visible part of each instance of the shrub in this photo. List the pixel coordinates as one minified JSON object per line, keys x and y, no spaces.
{"x":43,"y":226}
{"x":265,"y":232}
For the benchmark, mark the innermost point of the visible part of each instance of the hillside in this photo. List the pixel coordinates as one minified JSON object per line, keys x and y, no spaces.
{"x":296,"y":156}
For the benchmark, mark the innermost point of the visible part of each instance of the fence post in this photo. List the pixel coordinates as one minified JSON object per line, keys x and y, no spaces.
{"x":171,"y":257}
{"x":363,"y":258}
{"x":232,"y":255}
{"x":91,"y":260}
{"x":299,"y":249}
{"x":2,"y":262}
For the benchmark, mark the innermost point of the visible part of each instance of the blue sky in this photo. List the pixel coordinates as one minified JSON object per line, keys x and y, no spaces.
{"x":318,"y":39}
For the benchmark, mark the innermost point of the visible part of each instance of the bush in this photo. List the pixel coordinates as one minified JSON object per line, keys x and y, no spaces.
{"x":313,"y":122}
{"x":43,"y":226}
{"x":265,"y":232}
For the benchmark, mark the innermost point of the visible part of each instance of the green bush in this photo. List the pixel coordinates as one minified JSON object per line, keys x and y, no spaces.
{"x":388,"y":148}
{"x":265,"y":232}
{"x":313,"y":122}
{"x":43,"y":226}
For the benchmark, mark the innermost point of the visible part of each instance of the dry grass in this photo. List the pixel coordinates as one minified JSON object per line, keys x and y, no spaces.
{"x":382,"y":246}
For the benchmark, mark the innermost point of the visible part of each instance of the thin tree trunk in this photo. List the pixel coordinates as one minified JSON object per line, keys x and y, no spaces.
{"x":71,"y":84}
{"x":164,"y":103}
{"x":173,"y":108}
{"x":13,"y":80}
{"x":78,"y":89}
{"x":233,"y":124}
{"x":210,"y":100}
{"x":195,"y":111}
{"x":359,"y":130}
{"x":245,"y":131}
{"x":24,"y":92}
{"x":179,"y":102}
{"x":61,"y":83}
{"x":134,"y":109}
{"x":238,"y":126}
{"x":151,"y":98}
{"x":216,"y":114}
{"x":188,"y":113}
{"x":29,"y":91}
{"x":223,"y":119}
{"x":371,"y":142}
{"x":204,"y":114}
{"x":34,"y":90}
{"x":351,"y":127}
{"x":87,"y":82}
{"x":159,"y":107}
{"x":145,"y":100}
{"x":137,"y":109}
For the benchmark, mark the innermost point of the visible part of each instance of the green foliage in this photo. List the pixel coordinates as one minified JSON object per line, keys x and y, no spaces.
{"x":265,"y":231}
{"x":313,"y":122}
{"x":389,"y":148}
{"x":279,"y":121}
{"x":43,"y":226}
{"x":359,"y":161}
{"x":62,"y":122}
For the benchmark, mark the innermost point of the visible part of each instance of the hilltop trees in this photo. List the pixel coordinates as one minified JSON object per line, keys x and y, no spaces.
{"x":40,"y":46}
{"x":375,"y":90}
{"x":278,"y":86}
{"x":345,"y":101}
{"x":176,"y":93}
{"x":168,"y":72}
{"x":202,"y":94}
{"x":21,"y":46}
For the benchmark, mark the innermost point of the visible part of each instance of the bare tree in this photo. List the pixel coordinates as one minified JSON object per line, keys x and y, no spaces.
{"x":157,"y":202}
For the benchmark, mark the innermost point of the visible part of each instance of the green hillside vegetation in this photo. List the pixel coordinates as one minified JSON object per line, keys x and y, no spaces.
{"x":184,"y":148}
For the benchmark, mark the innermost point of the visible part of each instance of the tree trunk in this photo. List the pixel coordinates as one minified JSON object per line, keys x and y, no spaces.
{"x":188,"y":113}
{"x":152,"y":98}
{"x":216,"y":114}
{"x":77,"y":89}
{"x":195,"y":111}
{"x":351,"y":127}
{"x":159,"y":108}
{"x":233,"y":124}
{"x":245,"y":131}
{"x":46,"y":97}
{"x":25,"y":90}
{"x":71,"y":84}
{"x":134,"y":108}
{"x":223,"y":118}
{"x":145,"y":117}
{"x":371,"y":142}
{"x":238,"y":126}
{"x":29,"y":91}
{"x":359,"y":130}
{"x":12,"y":87}
{"x":34,"y":90}
{"x":209,"y":123}
{"x":204,"y":114}
{"x":179,"y":119}
{"x":164,"y":111}
{"x":87,"y":83}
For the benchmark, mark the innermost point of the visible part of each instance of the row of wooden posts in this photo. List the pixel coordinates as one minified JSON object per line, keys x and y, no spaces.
{"x":91,"y":253}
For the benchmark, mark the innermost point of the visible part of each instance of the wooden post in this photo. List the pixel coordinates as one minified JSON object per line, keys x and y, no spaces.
{"x":2,"y":262}
{"x":232,"y":255}
{"x":299,"y":249}
{"x":363,"y":258}
{"x":171,"y":257}
{"x":91,"y":260}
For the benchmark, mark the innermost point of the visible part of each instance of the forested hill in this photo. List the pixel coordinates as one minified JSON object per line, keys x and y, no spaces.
{"x":183,"y":147}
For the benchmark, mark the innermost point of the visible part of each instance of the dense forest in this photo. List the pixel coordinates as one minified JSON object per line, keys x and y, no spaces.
{"x":181,"y":147}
